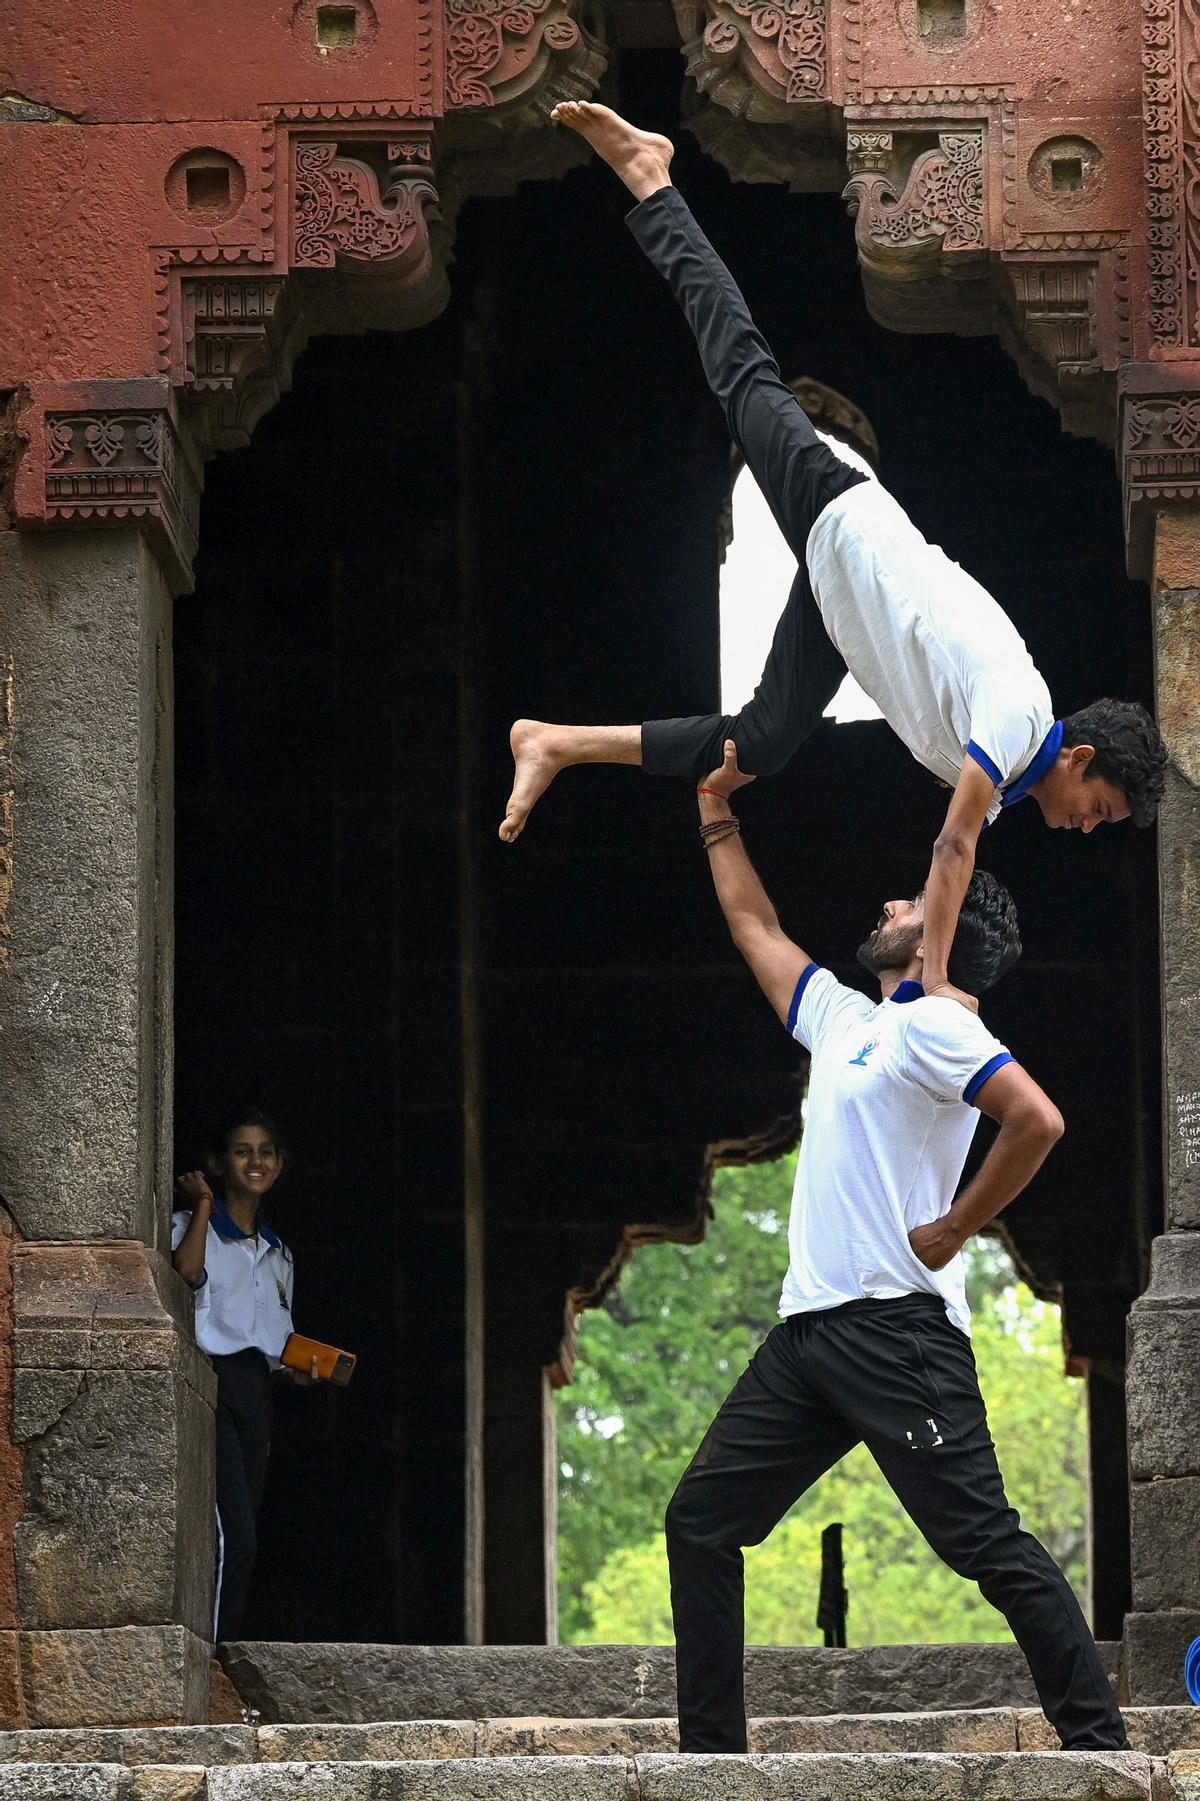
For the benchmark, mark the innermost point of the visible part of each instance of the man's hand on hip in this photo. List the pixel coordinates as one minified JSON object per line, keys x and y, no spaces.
{"x":936,"y":1244}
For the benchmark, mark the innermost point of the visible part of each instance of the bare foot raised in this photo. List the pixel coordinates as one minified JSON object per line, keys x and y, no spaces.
{"x":641,"y":158}
{"x":538,"y":761}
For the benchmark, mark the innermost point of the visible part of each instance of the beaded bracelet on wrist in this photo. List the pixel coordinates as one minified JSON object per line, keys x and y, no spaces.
{"x":718,"y":831}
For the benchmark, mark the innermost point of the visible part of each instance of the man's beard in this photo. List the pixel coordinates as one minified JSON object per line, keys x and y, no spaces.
{"x":889,"y":947}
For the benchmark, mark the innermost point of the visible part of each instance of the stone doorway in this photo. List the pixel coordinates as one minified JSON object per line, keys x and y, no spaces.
{"x":517,"y":508}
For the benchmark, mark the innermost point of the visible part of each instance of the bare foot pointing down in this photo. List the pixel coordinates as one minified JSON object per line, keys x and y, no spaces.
{"x":538,"y":762}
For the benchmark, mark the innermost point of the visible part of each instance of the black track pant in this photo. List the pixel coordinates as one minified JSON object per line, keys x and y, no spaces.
{"x":243,"y":1448}
{"x":799,"y":476}
{"x":899,"y":1376}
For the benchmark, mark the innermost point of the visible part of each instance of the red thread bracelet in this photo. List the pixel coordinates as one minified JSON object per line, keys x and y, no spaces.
{"x":716,"y":794}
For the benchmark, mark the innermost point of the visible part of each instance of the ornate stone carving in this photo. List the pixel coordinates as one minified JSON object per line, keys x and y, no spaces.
{"x":496,"y":50}
{"x":1054,"y":307}
{"x":939,"y":210}
{"x":1171,"y":144}
{"x":226,"y":325}
{"x":110,"y":454}
{"x":339,"y":214}
{"x":1060,"y":323}
{"x":868,"y":152}
{"x":1160,"y":446}
{"x":755,"y":58}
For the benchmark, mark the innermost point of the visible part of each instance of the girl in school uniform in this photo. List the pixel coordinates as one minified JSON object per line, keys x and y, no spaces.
{"x":241,"y":1274}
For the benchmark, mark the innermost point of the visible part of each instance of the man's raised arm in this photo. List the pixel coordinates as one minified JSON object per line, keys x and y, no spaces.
{"x":776,"y":962}
{"x":950,"y":875}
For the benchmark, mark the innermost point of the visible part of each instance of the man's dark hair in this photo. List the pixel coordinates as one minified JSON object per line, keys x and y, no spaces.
{"x":1129,"y":751}
{"x":987,"y":941}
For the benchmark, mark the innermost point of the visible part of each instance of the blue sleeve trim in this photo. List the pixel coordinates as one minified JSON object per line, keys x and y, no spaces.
{"x":981,"y":1075}
{"x":809,"y":970}
{"x":984,"y":762}
{"x":197,"y":1286}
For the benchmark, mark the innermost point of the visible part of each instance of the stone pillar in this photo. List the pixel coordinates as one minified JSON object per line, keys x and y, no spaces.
{"x":520,"y":1443}
{"x":109,"y":1484}
{"x":1108,"y":1504}
{"x":1164,"y":1328}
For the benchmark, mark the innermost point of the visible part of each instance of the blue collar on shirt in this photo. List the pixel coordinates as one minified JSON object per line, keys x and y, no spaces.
{"x":225,"y":1227}
{"x":907,"y":991}
{"x":1044,"y":756}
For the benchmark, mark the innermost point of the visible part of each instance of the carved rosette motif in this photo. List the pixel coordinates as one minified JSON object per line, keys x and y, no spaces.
{"x":939,"y":210}
{"x":340,"y":214}
{"x":758,"y":59}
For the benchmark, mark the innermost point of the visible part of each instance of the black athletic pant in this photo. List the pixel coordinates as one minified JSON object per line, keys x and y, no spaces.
{"x":899,"y":1376}
{"x":243,"y":1448}
{"x":799,"y":476}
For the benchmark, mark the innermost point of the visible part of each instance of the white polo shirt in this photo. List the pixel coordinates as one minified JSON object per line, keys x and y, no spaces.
{"x":887,"y":1128}
{"x":939,"y":657}
{"x":244,"y":1301}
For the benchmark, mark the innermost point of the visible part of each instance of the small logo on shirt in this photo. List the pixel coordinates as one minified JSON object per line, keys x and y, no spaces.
{"x":860,"y":1062}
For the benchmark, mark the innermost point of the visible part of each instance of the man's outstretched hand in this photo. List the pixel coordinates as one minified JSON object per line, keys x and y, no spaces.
{"x":936,"y":1244}
{"x":728,"y":778}
{"x":949,"y":992}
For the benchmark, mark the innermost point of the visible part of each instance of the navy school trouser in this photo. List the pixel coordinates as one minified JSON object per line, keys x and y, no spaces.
{"x":798,"y":475}
{"x":243,"y":1451}
{"x":900,"y":1377}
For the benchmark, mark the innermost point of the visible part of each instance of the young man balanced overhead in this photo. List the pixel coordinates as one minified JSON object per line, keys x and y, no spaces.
{"x":874,"y":1345}
{"x":936,"y":653}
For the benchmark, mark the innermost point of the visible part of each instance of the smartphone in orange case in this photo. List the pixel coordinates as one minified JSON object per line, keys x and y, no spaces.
{"x":332,"y":1365}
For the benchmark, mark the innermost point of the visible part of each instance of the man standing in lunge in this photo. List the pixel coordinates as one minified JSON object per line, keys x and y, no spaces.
{"x":935,"y":652}
{"x":874,"y":1345}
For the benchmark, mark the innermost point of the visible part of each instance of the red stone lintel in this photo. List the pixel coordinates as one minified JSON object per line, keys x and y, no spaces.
{"x":109,"y":453}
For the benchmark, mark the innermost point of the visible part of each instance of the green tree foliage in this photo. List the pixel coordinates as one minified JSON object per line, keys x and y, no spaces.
{"x":655,"y":1364}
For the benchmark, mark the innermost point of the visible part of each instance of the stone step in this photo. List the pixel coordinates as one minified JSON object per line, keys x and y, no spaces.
{"x":357,"y":1684}
{"x":1153,"y":1731}
{"x":862,"y":1776}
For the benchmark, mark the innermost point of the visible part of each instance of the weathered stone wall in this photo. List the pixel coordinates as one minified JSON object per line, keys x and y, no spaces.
{"x":107,"y":1490}
{"x":84,"y":1060}
{"x":1164,"y":1328}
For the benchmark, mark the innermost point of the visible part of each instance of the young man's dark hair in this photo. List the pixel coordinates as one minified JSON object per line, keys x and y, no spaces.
{"x":1129,"y":751}
{"x":987,"y":939}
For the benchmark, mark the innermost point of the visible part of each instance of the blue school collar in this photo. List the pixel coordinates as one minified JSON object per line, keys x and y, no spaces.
{"x":907,"y":991}
{"x":225,"y":1227}
{"x":1044,"y":756}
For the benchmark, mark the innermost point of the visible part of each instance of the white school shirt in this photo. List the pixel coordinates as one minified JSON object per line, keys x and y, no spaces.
{"x":887,"y":1128}
{"x":244,"y":1301}
{"x":939,"y":657}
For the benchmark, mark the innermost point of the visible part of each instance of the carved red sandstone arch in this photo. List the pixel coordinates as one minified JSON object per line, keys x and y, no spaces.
{"x":994,"y":174}
{"x":991,"y":192}
{"x":165,"y":274}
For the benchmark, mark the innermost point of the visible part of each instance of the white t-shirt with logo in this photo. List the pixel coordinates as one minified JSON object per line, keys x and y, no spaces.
{"x":244,"y":1301}
{"x":939,"y":657}
{"x":887,"y":1128}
